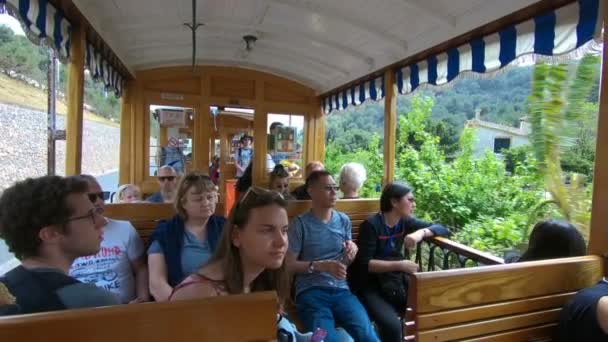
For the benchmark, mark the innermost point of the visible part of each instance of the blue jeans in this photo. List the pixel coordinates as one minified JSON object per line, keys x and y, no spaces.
{"x":324,"y":307}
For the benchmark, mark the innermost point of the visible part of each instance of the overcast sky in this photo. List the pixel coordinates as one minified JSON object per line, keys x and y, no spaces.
{"x":11,"y":22}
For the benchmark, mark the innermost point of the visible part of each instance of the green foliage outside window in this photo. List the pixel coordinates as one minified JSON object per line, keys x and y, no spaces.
{"x":489,"y":203}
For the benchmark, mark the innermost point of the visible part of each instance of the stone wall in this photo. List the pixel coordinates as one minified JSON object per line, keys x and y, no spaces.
{"x":24,"y":151}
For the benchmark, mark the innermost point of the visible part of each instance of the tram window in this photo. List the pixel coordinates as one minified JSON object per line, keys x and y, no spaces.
{"x":170,"y":138}
{"x":285,"y":141}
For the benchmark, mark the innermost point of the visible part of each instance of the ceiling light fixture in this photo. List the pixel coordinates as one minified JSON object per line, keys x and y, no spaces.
{"x":249,"y":41}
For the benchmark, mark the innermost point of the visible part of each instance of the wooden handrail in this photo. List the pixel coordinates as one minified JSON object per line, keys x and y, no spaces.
{"x":466,"y":251}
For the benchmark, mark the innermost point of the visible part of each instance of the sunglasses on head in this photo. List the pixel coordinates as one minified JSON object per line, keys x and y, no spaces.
{"x":197,"y":176}
{"x":166,"y":178}
{"x":103,"y":195}
{"x":256,"y":191}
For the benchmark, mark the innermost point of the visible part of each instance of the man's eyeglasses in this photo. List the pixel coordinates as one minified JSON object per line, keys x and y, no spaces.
{"x":103,"y":195}
{"x":331,"y":187}
{"x":166,"y":178}
{"x":91,"y":214}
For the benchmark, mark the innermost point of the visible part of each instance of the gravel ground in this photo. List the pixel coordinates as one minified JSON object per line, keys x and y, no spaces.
{"x":24,"y":153}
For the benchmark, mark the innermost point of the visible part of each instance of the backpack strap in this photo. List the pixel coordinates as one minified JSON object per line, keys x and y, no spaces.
{"x":36,"y":291}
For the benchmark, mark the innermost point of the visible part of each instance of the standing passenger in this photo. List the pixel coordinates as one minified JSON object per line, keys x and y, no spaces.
{"x":47,"y":223}
{"x":320,"y":248}
{"x":244,"y":155}
{"x":378,"y":273}
{"x":181,"y":245}
{"x":120,"y":265}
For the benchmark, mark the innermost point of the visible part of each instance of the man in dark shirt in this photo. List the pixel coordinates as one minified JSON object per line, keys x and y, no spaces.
{"x":167,"y":181}
{"x":585,"y":317}
{"x":47,"y":223}
{"x":300,"y":193}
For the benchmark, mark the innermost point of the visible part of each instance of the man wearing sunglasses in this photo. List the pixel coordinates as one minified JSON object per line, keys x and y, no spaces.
{"x":120,"y":265}
{"x":47,"y":223}
{"x":320,"y":250}
{"x":167,"y":180}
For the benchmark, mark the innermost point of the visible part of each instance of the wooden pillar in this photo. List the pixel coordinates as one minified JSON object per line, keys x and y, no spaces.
{"x":141,"y":135}
{"x":259,"y":136}
{"x":203,"y":128}
{"x":598,"y":238}
{"x":75,"y":97}
{"x":126,"y":136}
{"x":315,"y":143}
{"x":390,"y":126}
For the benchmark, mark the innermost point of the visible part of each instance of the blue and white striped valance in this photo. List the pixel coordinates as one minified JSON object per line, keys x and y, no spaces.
{"x":555,"y":33}
{"x":42,"y":22}
{"x":101,"y":70}
{"x":355,"y":95}
{"x":551,"y":34}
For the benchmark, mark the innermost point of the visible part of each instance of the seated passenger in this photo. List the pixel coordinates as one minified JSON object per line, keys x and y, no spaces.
{"x":554,"y":239}
{"x":167,"y":180}
{"x":181,"y":245}
{"x":120,"y":265}
{"x":128,"y":193}
{"x":251,"y":253}
{"x":377,"y":275}
{"x":300,"y":192}
{"x":48,"y":222}
{"x":585,"y":316}
{"x":8,"y":303}
{"x":352,"y":177}
{"x":320,"y":248}
{"x":279,"y":181}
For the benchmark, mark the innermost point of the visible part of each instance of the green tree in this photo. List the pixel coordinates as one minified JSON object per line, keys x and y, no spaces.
{"x":557,"y":102}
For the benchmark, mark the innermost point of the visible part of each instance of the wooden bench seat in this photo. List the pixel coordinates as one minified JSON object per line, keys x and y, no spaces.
{"x":145,"y":216}
{"x":231,"y":318}
{"x":513,"y":302}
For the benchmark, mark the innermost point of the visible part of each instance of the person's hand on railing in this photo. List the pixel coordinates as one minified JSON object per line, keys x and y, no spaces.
{"x":408,"y":266}
{"x":412,"y":239}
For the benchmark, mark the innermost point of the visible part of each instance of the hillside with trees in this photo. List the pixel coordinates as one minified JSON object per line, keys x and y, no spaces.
{"x":20,"y":57}
{"x":502,"y":98}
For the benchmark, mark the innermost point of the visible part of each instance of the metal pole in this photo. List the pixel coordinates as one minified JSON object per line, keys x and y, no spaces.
{"x":51,"y":91}
{"x":193,"y":26}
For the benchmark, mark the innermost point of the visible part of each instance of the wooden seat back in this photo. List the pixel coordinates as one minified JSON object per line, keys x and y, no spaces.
{"x":249,"y":317}
{"x":513,"y":302}
{"x":357,"y":210}
{"x":145,"y":216}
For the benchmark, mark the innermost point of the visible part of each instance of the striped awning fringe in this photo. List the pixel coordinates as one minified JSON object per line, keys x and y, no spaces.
{"x":555,"y":33}
{"x":42,"y":22}
{"x":101,"y":70}
{"x":355,"y":95}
